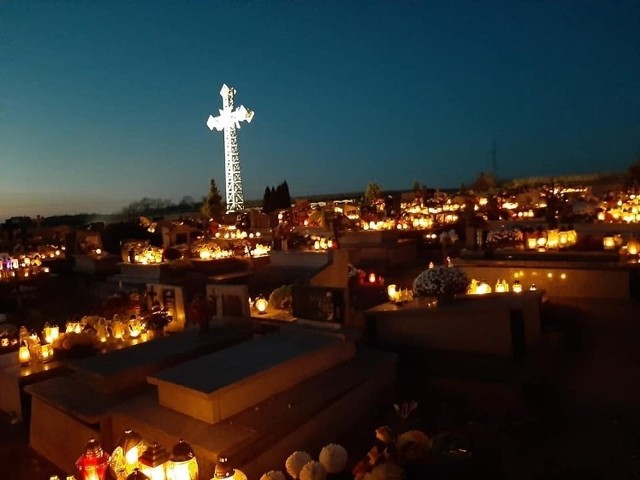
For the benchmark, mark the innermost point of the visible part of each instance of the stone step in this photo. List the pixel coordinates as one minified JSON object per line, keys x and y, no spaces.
{"x":217,"y":386}
{"x":307,"y":416}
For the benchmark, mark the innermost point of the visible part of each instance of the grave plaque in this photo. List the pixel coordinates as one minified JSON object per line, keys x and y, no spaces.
{"x":172,"y":298}
{"x":321,"y":304}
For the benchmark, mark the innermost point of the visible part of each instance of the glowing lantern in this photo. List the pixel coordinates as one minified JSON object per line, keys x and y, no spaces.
{"x":4,"y":342}
{"x":316,"y":245}
{"x":601,"y":216}
{"x":51,"y":333}
{"x":102,"y":332}
{"x":516,"y":287}
{"x":24,"y":355}
{"x":93,"y":463}
{"x":224,"y":470}
{"x":609,"y":243}
{"x":183,"y":464}
{"x":261,"y":304}
{"x":153,"y":460}
{"x":392,"y":292}
{"x":532,"y":243}
{"x":572,"y":237}
{"x":533,"y":287}
{"x":117,"y":329}
{"x":45,"y":352}
{"x":372,"y":278}
{"x":501,"y":286}
{"x":483,"y":288}
{"x":633,"y":246}
{"x":541,"y":242}
{"x":131,"y":444}
{"x":553,"y":239}
{"x":563,"y":239}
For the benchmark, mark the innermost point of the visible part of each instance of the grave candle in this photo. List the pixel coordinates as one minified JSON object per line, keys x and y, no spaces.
{"x":131,"y":444}
{"x":46,"y":352}
{"x":93,"y":463}
{"x":261,"y":304}
{"x":24,"y":356}
{"x":153,"y":462}
{"x":183,"y":464}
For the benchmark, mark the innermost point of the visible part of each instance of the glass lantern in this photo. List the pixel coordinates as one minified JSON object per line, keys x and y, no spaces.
{"x":93,"y":463}
{"x":182,"y":464}
{"x":132,"y":445}
{"x":225,"y":471}
{"x":153,"y":462}
{"x":24,"y":355}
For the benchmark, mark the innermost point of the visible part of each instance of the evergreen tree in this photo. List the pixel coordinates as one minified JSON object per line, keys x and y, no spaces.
{"x":286,"y":197}
{"x":212,"y":204}
{"x":267,"y":201}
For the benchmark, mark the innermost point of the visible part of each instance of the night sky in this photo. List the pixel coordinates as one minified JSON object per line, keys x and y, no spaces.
{"x":105,"y":102}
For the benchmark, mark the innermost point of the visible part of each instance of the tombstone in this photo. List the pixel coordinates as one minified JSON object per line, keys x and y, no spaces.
{"x":172,"y":298}
{"x":229,"y":300}
{"x":322,"y":306}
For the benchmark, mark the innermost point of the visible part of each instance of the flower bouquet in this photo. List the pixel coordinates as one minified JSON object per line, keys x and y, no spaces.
{"x":441,"y":282}
{"x":505,"y":238}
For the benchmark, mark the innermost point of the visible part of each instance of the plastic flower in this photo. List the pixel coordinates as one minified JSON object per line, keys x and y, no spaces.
{"x":413,"y":445}
{"x":273,"y":475}
{"x":333,"y":458}
{"x":295,"y":462}
{"x":313,"y":471}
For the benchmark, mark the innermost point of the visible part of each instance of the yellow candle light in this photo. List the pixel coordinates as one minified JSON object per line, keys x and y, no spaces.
{"x":609,"y":243}
{"x":24,"y":355}
{"x":261,"y":304}
{"x":392,"y":292}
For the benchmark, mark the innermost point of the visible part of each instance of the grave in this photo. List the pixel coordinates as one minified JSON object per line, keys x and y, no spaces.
{"x":284,"y":361}
{"x":503,"y":325}
{"x":261,"y":400}
{"x":77,"y":406}
{"x":560,"y":279}
{"x":89,"y":255}
{"x":378,"y":247}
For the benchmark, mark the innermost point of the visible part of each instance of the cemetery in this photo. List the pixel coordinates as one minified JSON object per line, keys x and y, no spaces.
{"x":246,"y":345}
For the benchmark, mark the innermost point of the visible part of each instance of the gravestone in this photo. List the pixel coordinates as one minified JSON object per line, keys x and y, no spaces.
{"x":325,"y":305}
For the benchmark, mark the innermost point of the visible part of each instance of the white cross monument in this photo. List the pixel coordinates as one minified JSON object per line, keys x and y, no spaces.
{"x":229,"y":120}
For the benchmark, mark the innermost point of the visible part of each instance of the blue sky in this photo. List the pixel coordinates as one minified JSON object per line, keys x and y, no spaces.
{"x":103,"y":103}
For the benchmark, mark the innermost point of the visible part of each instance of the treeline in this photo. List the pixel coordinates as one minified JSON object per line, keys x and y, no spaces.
{"x":276,"y":198}
{"x":160,"y":206}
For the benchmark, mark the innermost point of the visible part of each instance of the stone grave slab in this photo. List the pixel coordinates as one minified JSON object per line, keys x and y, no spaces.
{"x":14,"y":377}
{"x":216,"y":386}
{"x":307,"y":416}
{"x":79,"y":403}
{"x":119,"y":370}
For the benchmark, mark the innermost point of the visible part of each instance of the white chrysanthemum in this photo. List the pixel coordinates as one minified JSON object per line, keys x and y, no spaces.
{"x":273,"y":475}
{"x":295,"y":462}
{"x":313,"y":471}
{"x":333,"y":458}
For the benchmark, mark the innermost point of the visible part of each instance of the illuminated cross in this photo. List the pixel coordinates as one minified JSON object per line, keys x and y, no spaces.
{"x":229,"y":120}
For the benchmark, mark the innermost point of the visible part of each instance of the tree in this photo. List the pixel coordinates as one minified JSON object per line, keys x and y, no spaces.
{"x":371,"y":193}
{"x":416,"y":187}
{"x":212,"y":204}
{"x":267,"y":201}
{"x":633,"y":173}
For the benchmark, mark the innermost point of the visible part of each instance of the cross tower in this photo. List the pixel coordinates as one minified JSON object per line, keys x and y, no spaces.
{"x":229,"y":120}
